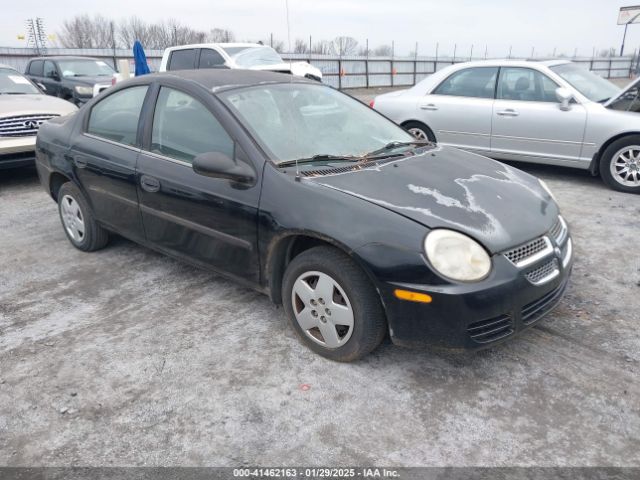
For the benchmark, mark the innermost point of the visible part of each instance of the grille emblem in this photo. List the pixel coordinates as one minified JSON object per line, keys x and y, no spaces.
{"x":31,"y":124}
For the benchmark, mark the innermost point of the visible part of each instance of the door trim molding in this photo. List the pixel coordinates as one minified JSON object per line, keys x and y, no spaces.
{"x":211,"y":232}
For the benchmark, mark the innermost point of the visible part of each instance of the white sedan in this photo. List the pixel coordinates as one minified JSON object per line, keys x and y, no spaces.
{"x":552,"y":112}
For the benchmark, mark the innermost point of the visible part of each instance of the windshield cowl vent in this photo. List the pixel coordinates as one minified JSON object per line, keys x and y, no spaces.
{"x":351,"y":168}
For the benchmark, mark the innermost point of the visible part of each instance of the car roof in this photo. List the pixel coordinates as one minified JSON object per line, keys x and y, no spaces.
{"x":226,"y":79}
{"x":500,"y":62}
{"x":213,"y":44}
{"x":63,"y":57}
{"x":2,"y":65}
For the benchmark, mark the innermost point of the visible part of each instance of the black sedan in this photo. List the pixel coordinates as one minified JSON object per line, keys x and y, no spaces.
{"x":311,"y":197}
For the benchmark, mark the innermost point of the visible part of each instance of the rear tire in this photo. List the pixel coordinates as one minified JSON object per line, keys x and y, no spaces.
{"x":325,"y":294}
{"x":620,"y":164}
{"x":78,"y":221}
{"x":420,"y":131}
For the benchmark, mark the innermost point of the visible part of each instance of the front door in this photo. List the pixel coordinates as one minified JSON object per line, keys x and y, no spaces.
{"x":210,"y":220}
{"x":528,"y":123}
{"x":51,"y":79}
{"x":105,"y":156}
{"x":459,"y":109}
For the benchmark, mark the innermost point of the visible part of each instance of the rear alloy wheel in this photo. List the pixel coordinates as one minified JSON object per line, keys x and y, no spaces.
{"x":620,"y":164}
{"x":78,"y":221}
{"x":332,"y":305}
{"x":420,"y":131}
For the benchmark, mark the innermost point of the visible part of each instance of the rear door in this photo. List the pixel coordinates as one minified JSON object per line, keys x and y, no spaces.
{"x":105,"y":155}
{"x":183,"y":59}
{"x":459,"y":109}
{"x":210,"y":58}
{"x":212,"y":221}
{"x":528,"y":123}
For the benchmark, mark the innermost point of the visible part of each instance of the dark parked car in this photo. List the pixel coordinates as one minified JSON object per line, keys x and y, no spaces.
{"x":70,"y":78}
{"x":356,"y":227}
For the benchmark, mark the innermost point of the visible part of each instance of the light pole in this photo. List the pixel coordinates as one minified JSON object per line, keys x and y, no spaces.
{"x":624,"y":35}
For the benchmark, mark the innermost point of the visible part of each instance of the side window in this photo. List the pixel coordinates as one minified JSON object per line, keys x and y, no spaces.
{"x":182,"y":59}
{"x":35,"y":68}
{"x":49,"y":69}
{"x":476,"y":82}
{"x":526,"y":84}
{"x":209,"y":58}
{"x":183,"y":128}
{"x":116,"y":117}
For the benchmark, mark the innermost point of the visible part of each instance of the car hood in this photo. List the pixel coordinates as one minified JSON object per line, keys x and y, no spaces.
{"x":498,"y":205}
{"x":11,"y":105}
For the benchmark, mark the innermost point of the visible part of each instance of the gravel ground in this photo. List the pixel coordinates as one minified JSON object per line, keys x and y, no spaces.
{"x":126,"y":357}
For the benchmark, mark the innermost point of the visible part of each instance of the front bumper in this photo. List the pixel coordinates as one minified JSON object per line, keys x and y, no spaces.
{"x":17,"y":152}
{"x":477,"y":315}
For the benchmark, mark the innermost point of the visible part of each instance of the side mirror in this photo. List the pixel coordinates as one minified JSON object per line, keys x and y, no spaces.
{"x":564,"y":96}
{"x":219,"y":165}
{"x":41,"y":87}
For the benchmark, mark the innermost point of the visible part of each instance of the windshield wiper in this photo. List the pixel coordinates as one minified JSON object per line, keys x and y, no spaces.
{"x":13,"y":93}
{"x":394,"y":145}
{"x":323,"y":157}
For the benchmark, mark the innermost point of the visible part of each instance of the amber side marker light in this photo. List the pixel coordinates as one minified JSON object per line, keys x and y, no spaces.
{"x":412,"y":296}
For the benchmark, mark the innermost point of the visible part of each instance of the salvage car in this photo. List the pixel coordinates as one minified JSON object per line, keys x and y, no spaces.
{"x":357,"y":228}
{"x":71,"y":78}
{"x":23,"y":109}
{"x":252,"y":56}
{"x":552,"y":112}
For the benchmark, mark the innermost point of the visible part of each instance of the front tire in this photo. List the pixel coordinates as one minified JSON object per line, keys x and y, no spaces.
{"x":332,"y":305}
{"x":620,"y":164}
{"x":78,"y":221}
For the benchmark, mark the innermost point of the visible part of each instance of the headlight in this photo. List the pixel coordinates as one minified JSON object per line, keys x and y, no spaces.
{"x":457,"y":256}
{"x":80,"y":90}
{"x":548,"y":190}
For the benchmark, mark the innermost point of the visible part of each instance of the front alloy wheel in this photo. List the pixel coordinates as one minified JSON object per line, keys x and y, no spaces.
{"x":620,"y":164}
{"x":625,"y":166}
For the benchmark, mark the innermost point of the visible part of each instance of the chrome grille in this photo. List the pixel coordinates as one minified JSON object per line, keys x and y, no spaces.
{"x":544,"y":273}
{"x":559,"y":231}
{"x":527,"y":253}
{"x":22,"y":125}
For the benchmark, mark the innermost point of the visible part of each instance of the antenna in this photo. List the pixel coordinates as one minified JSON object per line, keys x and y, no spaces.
{"x":286,"y":3}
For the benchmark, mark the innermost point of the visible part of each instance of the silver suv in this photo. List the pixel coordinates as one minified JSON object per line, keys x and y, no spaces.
{"x":552,"y":112}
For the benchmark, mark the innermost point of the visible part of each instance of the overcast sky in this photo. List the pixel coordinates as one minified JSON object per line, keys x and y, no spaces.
{"x":542,"y":24}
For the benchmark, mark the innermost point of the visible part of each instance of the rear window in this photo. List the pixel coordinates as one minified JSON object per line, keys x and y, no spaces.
{"x":182,"y":59}
{"x":35,"y":68}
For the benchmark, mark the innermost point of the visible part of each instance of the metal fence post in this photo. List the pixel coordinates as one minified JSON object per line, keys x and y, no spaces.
{"x":340,"y":73}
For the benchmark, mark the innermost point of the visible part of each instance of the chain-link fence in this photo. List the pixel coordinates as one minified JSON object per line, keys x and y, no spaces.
{"x":338,"y":71}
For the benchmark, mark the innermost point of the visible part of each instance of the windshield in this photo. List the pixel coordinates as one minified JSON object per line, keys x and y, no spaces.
{"x":253,"y":56}
{"x":298,"y":121}
{"x":85,"y":68}
{"x":14,"y":83}
{"x":587,"y":83}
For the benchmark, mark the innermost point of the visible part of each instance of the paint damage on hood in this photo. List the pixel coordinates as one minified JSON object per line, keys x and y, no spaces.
{"x":496,"y":204}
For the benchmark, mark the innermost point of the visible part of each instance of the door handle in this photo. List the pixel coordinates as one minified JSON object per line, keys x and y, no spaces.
{"x":80,"y":162}
{"x":429,"y":106}
{"x":509,"y":112}
{"x":149,"y":184}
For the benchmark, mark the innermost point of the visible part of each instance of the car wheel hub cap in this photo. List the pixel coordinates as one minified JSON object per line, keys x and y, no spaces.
{"x":419,"y":134}
{"x":72,"y":218}
{"x":322,"y":309}
{"x":625,"y":166}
